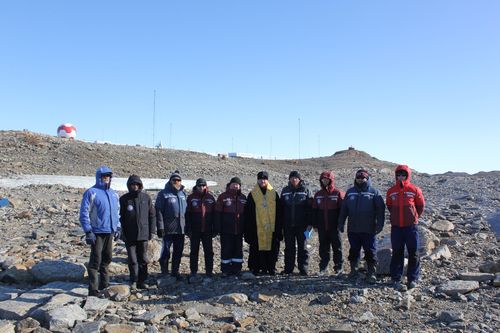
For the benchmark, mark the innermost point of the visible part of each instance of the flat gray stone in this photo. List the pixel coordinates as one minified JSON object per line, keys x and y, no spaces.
{"x":441,"y":251}
{"x":208,"y":309}
{"x":473,"y":276}
{"x":450,"y":316}
{"x":458,"y":286}
{"x":341,"y":328}
{"x":9,"y":293}
{"x":96,"y":305}
{"x":58,"y":270}
{"x":60,"y":319}
{"x":233,"y":298}
{"x":153,"y":316}
{"x":442,"y":225}
{"x":89,"y":327}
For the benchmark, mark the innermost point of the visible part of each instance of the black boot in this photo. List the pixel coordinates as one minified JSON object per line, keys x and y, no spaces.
{"x":370,"y":274}
{"x":354,"y":269}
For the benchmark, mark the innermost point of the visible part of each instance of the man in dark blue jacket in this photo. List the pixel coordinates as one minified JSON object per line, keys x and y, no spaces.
{"x":138,"y":219}
{"x":171,"y":206}
{"x":365,"y":208}
{"x":295,"y":203}
{"x":100,"y":220}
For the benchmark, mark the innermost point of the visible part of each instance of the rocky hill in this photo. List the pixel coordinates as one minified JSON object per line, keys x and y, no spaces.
{"x":42,"y":253}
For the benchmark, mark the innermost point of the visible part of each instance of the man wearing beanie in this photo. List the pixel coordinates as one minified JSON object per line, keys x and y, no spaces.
{"x":230,"y":220}
{"x":138,"y":219}
{"x":364,"y":206}
{"x":326,"y":208}
{"x":262,"y":228}
{"x":295,"y":204}
{"x":199,"y":226}
{"x":171,"y":207}
{"x":405,"y":203}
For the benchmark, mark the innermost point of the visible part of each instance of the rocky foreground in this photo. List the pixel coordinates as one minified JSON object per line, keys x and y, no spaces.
{"x":43,"y":254}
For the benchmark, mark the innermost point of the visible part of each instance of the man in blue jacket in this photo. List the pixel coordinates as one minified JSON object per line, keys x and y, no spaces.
{"x":365,"y":208}
{"x":171,"y":206}
{"x":100,"y":220}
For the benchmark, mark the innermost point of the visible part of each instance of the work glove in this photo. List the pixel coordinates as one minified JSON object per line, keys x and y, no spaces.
{"x":117,"y":234}
{"x":90,"y":238}
{"x":378,"y":229}
{"x":160,"y":233}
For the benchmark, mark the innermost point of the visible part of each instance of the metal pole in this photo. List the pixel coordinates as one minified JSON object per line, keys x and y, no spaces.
{"x":154,"y":116}
{"x":299,"y":138}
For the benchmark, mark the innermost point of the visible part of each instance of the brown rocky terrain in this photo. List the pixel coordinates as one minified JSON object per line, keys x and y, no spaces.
{"x":42,"y":253}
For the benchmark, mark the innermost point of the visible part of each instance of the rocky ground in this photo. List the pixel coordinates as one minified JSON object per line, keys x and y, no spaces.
{"x":43,"y":254}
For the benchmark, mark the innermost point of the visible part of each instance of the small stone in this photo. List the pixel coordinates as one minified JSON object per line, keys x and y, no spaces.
{"x":458,"y":286}
{"x":192,"y":315}
{"x":442,"y":225}
{"x":234,"y":298}
{"x":472,"y":276}
{"x":450,"y":316}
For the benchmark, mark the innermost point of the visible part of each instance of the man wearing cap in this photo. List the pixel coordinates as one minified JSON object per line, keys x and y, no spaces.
{"x":230,"y":219}
{"x":326,"y":208}
{"x":364,"y":206}
{"x":295,"y":204}
{"x":138,"y":220}
{"x":100,"y":220}
{"x":263,"y":231}
{"x":405,"y":203}
{"x":170,"y":219}
{"x":199,"y":226}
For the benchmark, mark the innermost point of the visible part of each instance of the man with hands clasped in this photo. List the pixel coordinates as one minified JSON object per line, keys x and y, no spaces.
{"x":100,"y":220}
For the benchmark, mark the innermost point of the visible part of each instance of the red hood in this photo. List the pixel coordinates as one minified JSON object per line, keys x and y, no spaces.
{"x":404,"y":168}
{"x":329,"y":175}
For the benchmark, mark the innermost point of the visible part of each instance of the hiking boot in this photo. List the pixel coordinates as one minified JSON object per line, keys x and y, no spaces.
{"x":412,"y":284}
{"x":354,"y":270}
{"x":133,"y":285}
{"x":338,"y":270}
{"x":142,"y":285}
{"x":397,"y":285}
{"x":370,"y":274}
{"x":303,"y":273}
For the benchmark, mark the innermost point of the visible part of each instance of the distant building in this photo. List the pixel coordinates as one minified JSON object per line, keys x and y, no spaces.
{"x":244,"y":155}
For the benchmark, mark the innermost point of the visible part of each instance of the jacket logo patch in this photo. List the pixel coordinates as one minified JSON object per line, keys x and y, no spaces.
{"x":318,"y":200}
{"x":172,"y":200}
{"x":195,"y":203}
{"x":130,"y":208}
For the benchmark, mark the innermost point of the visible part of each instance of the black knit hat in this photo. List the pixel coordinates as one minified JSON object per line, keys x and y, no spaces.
{"x":263,"y":175}
{"x":201,"y":182}
{"x":362,"y":173}
{"x":295,"y":174}
{"x":235,"y":180}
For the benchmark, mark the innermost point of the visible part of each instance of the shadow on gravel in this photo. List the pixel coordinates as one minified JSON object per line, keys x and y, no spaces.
{"x":494,"y":221}
{"x":272,"y":286}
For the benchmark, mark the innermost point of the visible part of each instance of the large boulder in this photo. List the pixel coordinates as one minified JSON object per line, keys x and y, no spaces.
{"x":60,"y":319}
{"x":58,"y":270}
{"x":154,"y":251}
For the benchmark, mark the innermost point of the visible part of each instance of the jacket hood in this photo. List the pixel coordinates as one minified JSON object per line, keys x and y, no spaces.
{"x":406,"y":168}
{"x":328,"y":175}
{"x":98,"y":174}
{"x":134,"y":179}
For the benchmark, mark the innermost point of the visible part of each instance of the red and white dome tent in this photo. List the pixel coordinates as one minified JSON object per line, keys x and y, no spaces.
{"x":67,"y":131}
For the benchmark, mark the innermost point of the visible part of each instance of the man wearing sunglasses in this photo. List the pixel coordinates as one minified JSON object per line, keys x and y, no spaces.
{"x":364,"y":206}
{"x":405,"y":203}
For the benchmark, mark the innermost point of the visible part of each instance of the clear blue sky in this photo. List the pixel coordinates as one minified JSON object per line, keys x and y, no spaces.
{"x":414,"y":82}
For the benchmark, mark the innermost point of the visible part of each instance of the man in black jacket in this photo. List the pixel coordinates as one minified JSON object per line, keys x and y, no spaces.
{"x":296,"y":206}
{"x":138,"y":220}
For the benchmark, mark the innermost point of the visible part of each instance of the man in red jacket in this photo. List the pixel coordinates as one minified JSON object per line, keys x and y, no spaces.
{"x":405,"y":203}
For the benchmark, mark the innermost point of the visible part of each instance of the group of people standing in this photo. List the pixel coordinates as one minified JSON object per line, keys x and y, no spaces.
{"x":263,"y":219}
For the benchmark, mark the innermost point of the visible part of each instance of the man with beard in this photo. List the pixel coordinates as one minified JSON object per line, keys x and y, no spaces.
{"x":364,"y":206}
{"x":262,"y":228}
{"x":170,"y":218}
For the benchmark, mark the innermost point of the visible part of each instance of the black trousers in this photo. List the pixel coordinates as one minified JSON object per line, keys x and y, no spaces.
{"x":330,"y":239}
{"x":231,"y":249}
{"x":177,"y":241}
{"x":295,"y":236}
{"x":206,"y":240}
{"x":100,"y":258}
{"x":264,"y":261}
{"x":137,"y":265}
